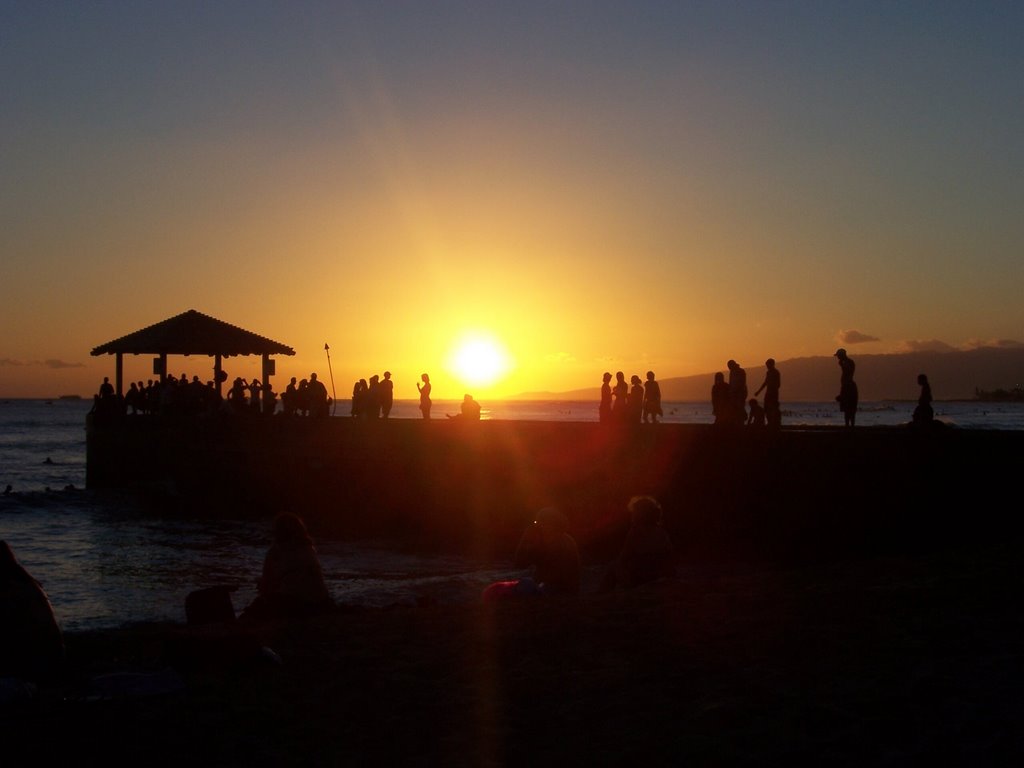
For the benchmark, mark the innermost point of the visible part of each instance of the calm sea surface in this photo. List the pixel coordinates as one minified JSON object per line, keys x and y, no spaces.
{"x":104,"y":564}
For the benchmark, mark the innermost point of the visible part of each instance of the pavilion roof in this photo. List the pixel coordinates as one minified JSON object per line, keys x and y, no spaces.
{"x":193,"y":333}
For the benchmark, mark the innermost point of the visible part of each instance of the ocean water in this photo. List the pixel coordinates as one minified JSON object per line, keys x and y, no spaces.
{"x":103,"y":563}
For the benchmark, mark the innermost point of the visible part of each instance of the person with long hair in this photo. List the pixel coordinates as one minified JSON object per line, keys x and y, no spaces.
{"x":424,"y":391}
{"x":292,"y":583}
{"x":31,"y":643}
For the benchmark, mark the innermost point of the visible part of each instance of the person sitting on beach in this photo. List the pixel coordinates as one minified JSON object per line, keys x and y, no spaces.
{"x":647,"y":553}
{"x":31,"y":643}
{"x":470,"y":410}
{"x":756,"y":418}
{"x":547,"y":547}
{"x":292,"y":584}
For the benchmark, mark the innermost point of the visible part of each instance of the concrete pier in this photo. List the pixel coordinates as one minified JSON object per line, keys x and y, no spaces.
{"x":795,"y":493}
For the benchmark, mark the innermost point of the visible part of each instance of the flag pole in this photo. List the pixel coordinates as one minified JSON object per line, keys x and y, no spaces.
{"x":334,"y":395}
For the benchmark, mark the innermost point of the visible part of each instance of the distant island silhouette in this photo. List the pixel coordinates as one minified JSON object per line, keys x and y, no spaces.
{"x":1015,"y":395}
{"x":958,"y":375}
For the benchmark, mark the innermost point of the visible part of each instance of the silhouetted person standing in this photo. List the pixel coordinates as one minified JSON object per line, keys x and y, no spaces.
{"x":387,"y":394}
{"x":424,"y":391}
{"x":317,"y":394}
{"x":924,"y":414}
{"x":289,"y":398}
{"x":721,"y":402}
{"x":652,"y":399}
{"x":771,"y":385}
{"x":635,"y":402}
{"x":604,"y":410}
{"x":621,"y":394}
{"x":373,"y":398}
{"x":738,"y":390}
{"x":848,"y":396}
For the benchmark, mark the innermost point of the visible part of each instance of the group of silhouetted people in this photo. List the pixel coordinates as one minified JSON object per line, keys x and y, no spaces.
{"x":633,"y":403}
{"x":307,"y":397}
{"x":552,"y":555}
{"x":729,"y":402}
{"x":181,"y":396}
{"x":373,"y":399}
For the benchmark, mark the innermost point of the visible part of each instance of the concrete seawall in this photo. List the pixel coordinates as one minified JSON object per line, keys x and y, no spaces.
{"x":470,"y":487}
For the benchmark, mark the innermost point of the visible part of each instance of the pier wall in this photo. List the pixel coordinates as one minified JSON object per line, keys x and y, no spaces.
{"x":471,"y":487}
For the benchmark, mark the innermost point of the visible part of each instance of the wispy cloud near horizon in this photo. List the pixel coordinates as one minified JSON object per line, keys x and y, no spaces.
{"x":855,"y":337}
{"x":52,"y":364}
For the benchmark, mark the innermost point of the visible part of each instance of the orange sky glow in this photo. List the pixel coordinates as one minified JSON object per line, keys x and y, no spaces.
{"x":660,"y":187}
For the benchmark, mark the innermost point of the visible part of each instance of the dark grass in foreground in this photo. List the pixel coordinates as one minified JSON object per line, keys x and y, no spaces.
{"x":891,"y":660}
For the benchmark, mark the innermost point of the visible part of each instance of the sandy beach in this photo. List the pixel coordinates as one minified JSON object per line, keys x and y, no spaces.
{"x":890,"y":660}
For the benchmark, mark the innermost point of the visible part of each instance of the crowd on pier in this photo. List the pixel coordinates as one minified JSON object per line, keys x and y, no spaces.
{"x":182,"y":396}
{"x":635,"y":402}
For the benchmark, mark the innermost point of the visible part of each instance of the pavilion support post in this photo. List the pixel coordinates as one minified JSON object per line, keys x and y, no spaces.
{"x":163,"y":367}
{"x":217,"y":368}
{"x":119,"y":373}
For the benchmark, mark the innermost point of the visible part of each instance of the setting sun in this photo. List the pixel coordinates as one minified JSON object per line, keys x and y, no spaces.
{"x":479,"y":360}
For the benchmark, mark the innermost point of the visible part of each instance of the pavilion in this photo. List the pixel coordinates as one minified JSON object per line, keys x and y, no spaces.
{"x":192,"y":333}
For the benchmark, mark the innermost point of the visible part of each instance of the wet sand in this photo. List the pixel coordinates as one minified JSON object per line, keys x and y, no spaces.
{"x":876,"y":660}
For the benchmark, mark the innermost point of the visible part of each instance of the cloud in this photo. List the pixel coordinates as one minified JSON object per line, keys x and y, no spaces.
{"x":993,"y":344}
{"x":51,"y":364}
{"x":854,"y":337}
{"x":925,"y":345}
{"x":58,"y":364}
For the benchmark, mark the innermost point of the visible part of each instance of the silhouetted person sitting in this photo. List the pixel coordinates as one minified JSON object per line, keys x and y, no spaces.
{"x":469,"y":411}
{"x":31,"y":643}
{"x":924,"y":414}
{"x":756,"y":417}
{"x":848,"y":395}
{"x":547,"y":547}
{"x":647,"y":553}
{"x":721,"y":401}
{"x":292,"y":584}
{"x":604,"y":409}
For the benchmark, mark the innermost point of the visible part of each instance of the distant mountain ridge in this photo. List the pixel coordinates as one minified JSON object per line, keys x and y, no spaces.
{"x":953,"y":376}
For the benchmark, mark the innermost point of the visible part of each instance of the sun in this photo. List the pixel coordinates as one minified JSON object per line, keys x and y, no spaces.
{"x":479,"y":360}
